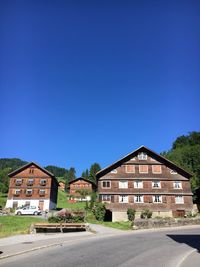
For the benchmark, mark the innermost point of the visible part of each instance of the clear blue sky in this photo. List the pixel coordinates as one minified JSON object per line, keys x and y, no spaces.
{"x":90,"y":81}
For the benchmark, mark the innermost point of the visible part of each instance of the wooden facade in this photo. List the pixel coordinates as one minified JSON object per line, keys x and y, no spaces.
{"x":79,"y":184}
{"x":32,"y":185}
{"x":143,"y":179}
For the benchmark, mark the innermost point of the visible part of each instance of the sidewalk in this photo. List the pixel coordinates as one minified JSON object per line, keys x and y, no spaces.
{"x":19,"y":244}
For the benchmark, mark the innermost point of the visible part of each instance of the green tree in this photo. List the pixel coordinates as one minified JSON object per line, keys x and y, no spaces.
{"x":93,"y":170}
{"x":4,"y":180}
{"x":83,"y":193}
{"x":85,"y":174}
{"x":185,"y":152}
{"x":57,"y":171}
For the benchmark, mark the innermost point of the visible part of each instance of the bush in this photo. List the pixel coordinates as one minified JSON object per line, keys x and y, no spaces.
{"x":131,"y":214}
{"x":146,"y":214}
{"x":67,"y":216}
{"x":99,"y":211}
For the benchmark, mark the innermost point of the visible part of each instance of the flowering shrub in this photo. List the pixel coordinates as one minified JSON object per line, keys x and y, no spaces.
{"x":67,"y":216}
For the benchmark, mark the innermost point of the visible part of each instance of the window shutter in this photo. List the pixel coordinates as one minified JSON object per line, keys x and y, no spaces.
{"x":112,"y":198}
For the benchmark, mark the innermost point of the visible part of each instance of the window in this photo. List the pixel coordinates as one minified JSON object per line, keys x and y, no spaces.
{"x":29,"y":192}
{"x":156,"y":169}
{"x":179,"y":200}
{"x":157,"y":199}
{"x":130,"y":168}
{"x":138,"y":184}
{"x":133,"y":159}
{"x":31,"y":170}
{"x":173,"y":172}
{"x":17,"y":192}
{"x":43,"y":181}
{"x":143,"y":168}
{"x":142,"y":156}
{"x":114,"y":171}
{"x":138,"y":199}
{"x":106,"y":198}
{"x":177,"y":185}
{"x":30,"y":182}
{"x":106,"y":184}
{"x":123,"y":199}
{"x":41,"y":192}
{"x":123,"y":184}
{"x":18,"y":182}
{"x":156,"y":184}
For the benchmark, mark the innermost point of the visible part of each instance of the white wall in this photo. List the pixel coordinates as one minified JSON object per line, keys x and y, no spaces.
{"x":33,"y":202}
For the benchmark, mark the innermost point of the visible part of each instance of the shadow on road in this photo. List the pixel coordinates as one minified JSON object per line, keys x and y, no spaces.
{"x":190,"y":240}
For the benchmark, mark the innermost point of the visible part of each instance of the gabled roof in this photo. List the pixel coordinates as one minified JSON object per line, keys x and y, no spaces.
{"x":84,"y":179}
{"x":28,"y":165}
{"x":152,"y":154}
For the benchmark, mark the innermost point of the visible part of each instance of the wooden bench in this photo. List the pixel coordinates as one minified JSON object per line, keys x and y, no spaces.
{"x":60,"y":226}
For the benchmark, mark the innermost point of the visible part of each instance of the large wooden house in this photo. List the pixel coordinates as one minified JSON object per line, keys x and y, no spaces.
{"x":145,"y":180}
{"x":32,"y":185}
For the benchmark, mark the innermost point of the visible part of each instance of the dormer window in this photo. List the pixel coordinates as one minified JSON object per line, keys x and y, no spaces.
{"x":114,"y":171}
{"x":142,"y":156}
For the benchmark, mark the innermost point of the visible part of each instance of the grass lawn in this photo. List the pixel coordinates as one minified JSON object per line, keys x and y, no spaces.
{"x":15,"y":225}
{"x":118,"y":225}
{"x":3,"y":198}
{"x":63,"y":202}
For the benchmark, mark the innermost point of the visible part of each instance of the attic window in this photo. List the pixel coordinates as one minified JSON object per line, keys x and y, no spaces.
{"x":142,"y":156}
{"x":31,"y":170}
{"x":114,"y":171}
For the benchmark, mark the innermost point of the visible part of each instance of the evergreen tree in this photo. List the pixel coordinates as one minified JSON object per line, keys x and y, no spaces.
{"x":93,"y":170}
{"x":185,"y":152}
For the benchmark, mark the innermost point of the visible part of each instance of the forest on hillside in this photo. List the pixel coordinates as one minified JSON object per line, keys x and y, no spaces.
{"x":185,"y":152}
{"x":8,"y":165}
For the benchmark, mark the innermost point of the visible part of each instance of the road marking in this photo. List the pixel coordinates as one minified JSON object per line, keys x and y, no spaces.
{"x":185,"y":257}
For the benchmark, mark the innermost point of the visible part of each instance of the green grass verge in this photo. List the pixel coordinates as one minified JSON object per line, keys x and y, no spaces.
{"x":118,"y":225}
{"x":63,"y":201}
{"x":14,"y":225}
{"x":3,"y":198}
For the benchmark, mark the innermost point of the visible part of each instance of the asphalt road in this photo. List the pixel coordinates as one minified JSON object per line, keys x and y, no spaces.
{"x":164,"y":248}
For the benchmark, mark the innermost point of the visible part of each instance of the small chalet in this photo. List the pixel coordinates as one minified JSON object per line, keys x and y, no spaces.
{"x":145,"y":180}
{"x":32,"y":185}
{"x":79,"y":184}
